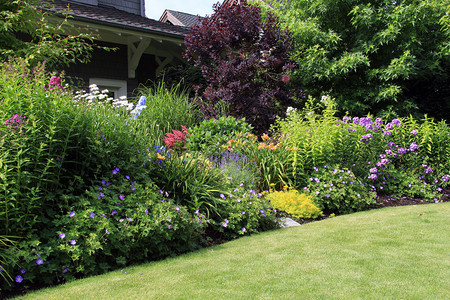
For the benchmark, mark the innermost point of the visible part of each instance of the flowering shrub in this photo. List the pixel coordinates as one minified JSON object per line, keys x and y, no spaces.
{"x":118,"y":222}
{"x":246,"y":212}
{"x":338,"y":190}
{"x":294,"y":203}
{"x":210,"y":135}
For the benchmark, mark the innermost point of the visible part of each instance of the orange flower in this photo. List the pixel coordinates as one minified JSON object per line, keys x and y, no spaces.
{"x":265,"y":137}
{"x":159,"y":156}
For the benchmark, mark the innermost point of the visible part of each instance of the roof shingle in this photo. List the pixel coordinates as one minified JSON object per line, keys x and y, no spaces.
{"x":116,"y":18}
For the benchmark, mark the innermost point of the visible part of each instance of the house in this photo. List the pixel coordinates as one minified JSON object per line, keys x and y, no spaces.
{"x":144,"y":46}
{"x":180,"y":18}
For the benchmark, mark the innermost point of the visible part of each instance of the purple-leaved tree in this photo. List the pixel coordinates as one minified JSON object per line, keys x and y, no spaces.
{"x":245,"y":61}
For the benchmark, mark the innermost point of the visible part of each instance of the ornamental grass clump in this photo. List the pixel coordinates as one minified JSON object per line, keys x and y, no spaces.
{"x":293,"y":203}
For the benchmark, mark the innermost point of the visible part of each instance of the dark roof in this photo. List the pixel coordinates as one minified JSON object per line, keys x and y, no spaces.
{"x":186,"y":19}
{"x":116,"y":18}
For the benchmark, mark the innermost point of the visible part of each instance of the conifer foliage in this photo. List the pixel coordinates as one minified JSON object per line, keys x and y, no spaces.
{"x":245,"y":61}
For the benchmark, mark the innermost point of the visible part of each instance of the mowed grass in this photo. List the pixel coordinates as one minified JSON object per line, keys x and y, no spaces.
{"x":391,"y":253}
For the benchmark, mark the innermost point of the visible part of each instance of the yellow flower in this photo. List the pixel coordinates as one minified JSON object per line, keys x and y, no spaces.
{"x":159,"y":156}
{"x":265,"y":137}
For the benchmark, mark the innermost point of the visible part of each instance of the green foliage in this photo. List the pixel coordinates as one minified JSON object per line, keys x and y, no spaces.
{"x":210,"y":135}
{"x":237,"y":168}
{"x":294,"y":203}
{"x":338,"y":190}
{"x":60,"y":147}
{"x":246,"y":212}
{"x":26,"y":32}
{"x":312,"y":138}
{"x":383,"y":57}
{"x":167,"y":108}
{"x":116,"y":223}
{"x":192,"y":182}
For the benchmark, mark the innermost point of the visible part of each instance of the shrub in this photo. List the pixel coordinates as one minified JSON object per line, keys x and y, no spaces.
{"x":210,"y":135}
{"x":294,"y":203}
{"x":245,"y":61}
{"x":374,"y":56}
{"x":246,"y":212}
{"x":118,"y":222}
{"x":338,"y":190}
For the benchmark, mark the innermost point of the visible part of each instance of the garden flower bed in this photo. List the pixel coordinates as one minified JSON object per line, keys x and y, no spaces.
{"x":90,"y":184}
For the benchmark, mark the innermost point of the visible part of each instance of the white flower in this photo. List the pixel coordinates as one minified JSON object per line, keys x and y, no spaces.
{"x":324,"y":99}
{"x":290,"y":109}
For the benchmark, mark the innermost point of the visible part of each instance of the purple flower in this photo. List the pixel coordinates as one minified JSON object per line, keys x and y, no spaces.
{"x":114,"y":212}
{"x":402,"y":150}
{"x":22,"y":271}
{"x":413,"y":146}
{"x":71,"y":214}
{"x":177,"y":208}
{"x":222,"y":196}
{"x":315,"y":169}
{"x":446,"y":178}
{"x":92,"y":215}
{"x":121,"y":220}
{"x":62,"y":235}
{"x":327,"y":195}
{"x":19,"y":279}
{"x":127,"y":177}
{"x":115,"y":171}
{"x":373,"y":170}
{"x":73,"y":242}
{"x":39,"y":261}
{"x":366,"y":137}
{"x":414,"y":132}
{"x":243,"y":229}
{"x":428,"y":170}
{"x":107,"y":232}
{"x":317,"y":192}
{"x":238,"y":200}
{"x":100,"y":188}
{"x":146,"y":211}
{"x":170,"y":226}
{"x":121,"y":197}
{"x":103,"y":182}
{"x":373,"y":176}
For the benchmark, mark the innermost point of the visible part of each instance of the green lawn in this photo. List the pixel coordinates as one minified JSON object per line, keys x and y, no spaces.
{"x":392,"y":253}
